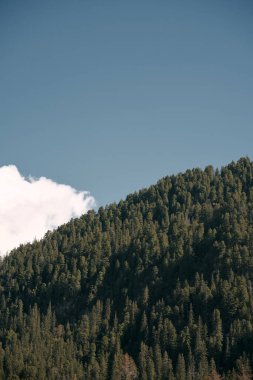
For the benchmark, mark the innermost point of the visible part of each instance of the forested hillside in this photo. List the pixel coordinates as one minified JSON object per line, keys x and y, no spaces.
{"x":157,"y":287}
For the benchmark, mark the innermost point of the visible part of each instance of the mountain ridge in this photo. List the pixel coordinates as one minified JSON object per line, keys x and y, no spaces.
{"x":155,"y":287}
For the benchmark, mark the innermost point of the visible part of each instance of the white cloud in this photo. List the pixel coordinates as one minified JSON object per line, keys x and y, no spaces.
{"x":31,"y":207}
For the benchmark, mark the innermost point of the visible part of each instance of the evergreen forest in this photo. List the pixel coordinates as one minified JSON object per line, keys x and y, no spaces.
{"x":156,"y":287}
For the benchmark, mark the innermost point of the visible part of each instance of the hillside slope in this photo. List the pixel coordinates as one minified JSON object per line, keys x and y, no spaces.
{"x":156,"y":287}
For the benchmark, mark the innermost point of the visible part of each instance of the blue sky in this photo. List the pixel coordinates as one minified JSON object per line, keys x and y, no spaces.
{"x":109,"y":96}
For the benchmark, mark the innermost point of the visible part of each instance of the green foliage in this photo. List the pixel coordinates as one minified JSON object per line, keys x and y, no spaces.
{"x":156,"y":287}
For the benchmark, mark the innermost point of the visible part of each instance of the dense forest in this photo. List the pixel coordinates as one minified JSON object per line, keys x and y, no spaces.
{"x":159,"y":286}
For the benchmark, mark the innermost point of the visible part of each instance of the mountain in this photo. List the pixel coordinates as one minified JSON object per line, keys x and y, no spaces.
{"x":156,"y":287}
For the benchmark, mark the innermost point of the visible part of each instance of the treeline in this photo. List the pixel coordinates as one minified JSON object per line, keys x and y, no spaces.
{"x":157,"y":287}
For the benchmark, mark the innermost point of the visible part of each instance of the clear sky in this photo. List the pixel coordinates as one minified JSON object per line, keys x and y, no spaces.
{"x":109,"y":96}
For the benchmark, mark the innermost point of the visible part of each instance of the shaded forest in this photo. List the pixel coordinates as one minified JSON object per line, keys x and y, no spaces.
{"x":156,"y":287}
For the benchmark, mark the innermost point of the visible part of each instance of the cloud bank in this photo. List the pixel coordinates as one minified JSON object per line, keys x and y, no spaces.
{"x":30,"y":207}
